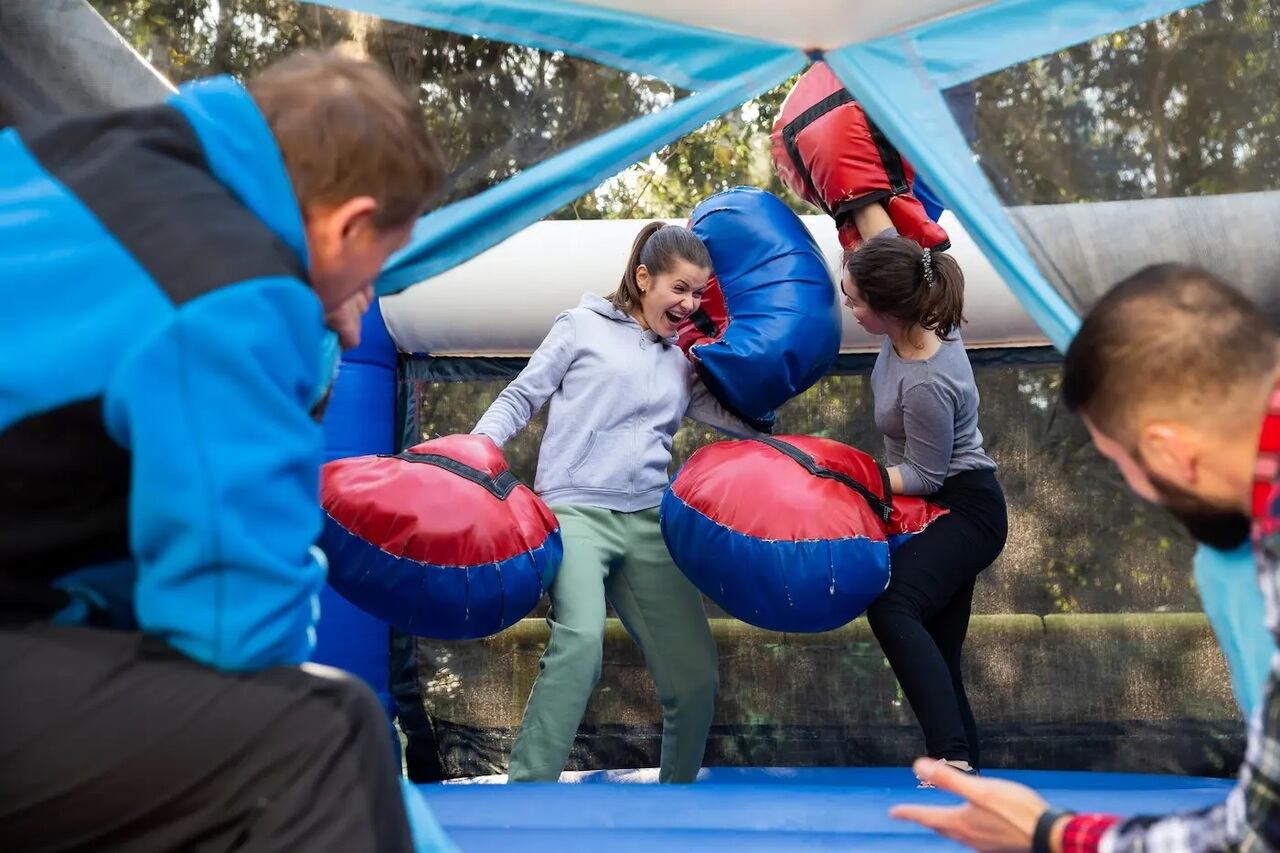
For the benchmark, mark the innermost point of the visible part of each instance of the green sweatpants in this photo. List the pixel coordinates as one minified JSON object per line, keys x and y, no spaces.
{"x":621,"y":556}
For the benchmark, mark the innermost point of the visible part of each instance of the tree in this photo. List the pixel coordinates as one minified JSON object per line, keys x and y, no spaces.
{"x":496,"y":108}
{"x":730,"y":151}
{"x":1183,"y":105}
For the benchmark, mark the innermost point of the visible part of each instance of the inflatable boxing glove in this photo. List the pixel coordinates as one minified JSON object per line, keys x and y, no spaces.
{"x":834,"y":157}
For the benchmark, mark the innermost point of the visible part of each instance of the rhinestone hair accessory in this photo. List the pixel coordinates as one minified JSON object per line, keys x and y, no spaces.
{"x":926,"y":257}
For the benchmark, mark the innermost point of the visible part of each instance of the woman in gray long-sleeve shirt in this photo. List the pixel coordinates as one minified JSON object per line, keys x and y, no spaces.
{"x":926,"y":406}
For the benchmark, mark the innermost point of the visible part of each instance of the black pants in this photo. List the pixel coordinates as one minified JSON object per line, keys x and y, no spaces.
{"x":922,"y":618}
{"x":112,"y":741}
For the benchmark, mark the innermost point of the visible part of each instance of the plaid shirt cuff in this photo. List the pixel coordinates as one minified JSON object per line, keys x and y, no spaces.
{"x":1083,"y":833}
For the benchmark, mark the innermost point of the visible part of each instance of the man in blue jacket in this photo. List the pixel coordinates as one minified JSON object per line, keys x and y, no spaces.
{"x":172,"y":278}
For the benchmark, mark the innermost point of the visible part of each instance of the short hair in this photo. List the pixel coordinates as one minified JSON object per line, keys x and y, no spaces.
{"x":347,"y":129}
{"x":1172,"y":337}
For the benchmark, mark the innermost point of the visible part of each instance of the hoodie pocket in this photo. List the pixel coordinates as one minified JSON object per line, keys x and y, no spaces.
{"x":604,"y":461}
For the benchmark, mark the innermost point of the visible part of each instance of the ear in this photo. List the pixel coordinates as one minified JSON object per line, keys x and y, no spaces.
{"x":355,"y":216}
{"x":643,"y":280}
{"x":330,"y":227}
{"x":1170,"y":450}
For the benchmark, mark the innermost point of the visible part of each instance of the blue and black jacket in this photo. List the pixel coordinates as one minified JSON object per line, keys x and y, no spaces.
{"x":160,"y":351}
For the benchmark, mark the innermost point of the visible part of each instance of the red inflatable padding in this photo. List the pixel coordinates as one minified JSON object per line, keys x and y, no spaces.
{"x":788,"y":498}
{"x":831,"y":155}
{"x":409,"y":506}
{"x":793,"y":533}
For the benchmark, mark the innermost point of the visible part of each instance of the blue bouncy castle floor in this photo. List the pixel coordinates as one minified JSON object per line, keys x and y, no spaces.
{"x":758,"y":809}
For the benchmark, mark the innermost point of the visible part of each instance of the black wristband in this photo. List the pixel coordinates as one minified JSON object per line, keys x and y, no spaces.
{"x":1044,"y":828}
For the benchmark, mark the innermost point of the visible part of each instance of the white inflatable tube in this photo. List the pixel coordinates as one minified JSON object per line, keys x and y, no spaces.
{"x":502,"y":302}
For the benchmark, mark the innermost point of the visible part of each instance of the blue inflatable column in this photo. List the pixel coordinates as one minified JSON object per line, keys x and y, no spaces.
{"x":1228,"y":586}
{"x":360,"y":420}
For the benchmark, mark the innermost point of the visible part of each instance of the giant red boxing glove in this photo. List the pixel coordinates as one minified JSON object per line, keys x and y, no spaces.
{"x":790,"y":534}
{"x":441,"y":540}
{"x":831,"y":155}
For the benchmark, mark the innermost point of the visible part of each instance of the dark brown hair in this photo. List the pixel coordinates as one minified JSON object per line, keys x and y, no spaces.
{"x":658,"y":246}
{"x":347,"y":129}
{"x":1169,"y":334}
{"x":894,"y":279}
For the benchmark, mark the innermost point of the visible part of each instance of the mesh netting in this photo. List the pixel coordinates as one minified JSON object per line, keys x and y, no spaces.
{"x":1093,"y":590}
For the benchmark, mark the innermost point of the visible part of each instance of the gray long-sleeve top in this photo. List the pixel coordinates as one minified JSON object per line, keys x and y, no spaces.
{"x":927,"y":412}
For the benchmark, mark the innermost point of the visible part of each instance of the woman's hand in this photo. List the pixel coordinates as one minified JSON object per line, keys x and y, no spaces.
{"x":346,"y":318}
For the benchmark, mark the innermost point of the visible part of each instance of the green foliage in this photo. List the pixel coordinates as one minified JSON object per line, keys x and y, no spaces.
{"x":1183,"y":105}
{"x":731,"y":151}
{"x":496,"y":108}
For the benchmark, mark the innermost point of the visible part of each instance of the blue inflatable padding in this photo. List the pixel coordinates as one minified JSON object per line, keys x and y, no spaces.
{"x":963,"y":104}
{"x":1228,"y":585}
{"x":783,"y":332}
{"x":359,"y":420}
{"x":444,"y":602}
{"x":352,"y":640}
{"x":780,"y":809}
{"x":767,"y":590}
{"x":376,"y":346}
{"x":933,"y":205}
{"x":428,"y":835}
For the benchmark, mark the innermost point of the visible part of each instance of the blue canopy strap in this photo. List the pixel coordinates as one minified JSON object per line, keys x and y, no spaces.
{"x":690,"y":57}
{"x":449,"y":236}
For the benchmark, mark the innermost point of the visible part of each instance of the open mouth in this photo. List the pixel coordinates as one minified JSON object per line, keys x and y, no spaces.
{"x":673,"y":318}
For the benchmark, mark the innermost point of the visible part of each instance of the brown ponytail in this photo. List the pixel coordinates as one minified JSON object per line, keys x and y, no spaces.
{"x":898,"y":278}
{"x":658,"y":246}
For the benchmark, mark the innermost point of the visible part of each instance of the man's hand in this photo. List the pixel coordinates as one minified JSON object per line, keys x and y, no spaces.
{"x":347,"y":317}
{"x":998,"y":817}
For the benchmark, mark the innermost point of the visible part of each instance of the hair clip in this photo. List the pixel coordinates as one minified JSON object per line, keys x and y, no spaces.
{"x":926,"y":257}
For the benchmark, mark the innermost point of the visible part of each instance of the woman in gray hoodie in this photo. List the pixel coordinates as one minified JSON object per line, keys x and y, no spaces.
{"x":618,"y":388}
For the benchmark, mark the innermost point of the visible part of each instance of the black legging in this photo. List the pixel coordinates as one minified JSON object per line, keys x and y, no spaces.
{"x":922,"y":618}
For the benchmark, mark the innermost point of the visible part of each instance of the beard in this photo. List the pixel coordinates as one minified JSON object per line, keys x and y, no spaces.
{"x":1215,"y":526}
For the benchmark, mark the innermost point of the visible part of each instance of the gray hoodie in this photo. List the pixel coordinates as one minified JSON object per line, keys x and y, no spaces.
{"x":617,"y":396}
